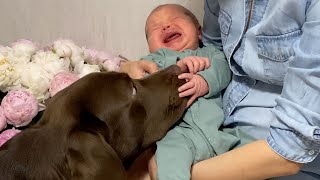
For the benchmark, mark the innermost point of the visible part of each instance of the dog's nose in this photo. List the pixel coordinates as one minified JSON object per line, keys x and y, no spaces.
{"x":175,"y":69}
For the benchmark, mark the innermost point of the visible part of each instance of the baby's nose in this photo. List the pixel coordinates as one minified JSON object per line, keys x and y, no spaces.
{"x":166,"y":27}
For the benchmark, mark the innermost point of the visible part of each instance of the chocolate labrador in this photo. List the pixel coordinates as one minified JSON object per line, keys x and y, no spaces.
{"x":95,"y":128}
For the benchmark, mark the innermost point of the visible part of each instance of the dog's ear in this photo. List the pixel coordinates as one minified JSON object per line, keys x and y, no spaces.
{"x":91,"y":123}
{"x":138,"y":112}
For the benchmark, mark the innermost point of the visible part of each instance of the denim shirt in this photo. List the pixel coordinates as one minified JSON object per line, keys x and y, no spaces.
{"x":273,"y":50}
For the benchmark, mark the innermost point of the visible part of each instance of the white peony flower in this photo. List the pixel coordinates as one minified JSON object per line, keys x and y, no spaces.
{"x":83,"y":69}
{"x":5,"y":50}
{"x":14,"y":57}
{"x":35,"y":79}
{"x":9,"y":77}
{"x":20,"y":52}
{"x":51,"y":62}
{"x":24,"y":47}
{"x":61,"y":47}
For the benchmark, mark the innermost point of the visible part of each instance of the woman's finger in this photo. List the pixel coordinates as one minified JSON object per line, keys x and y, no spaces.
{"x":148,"y":66}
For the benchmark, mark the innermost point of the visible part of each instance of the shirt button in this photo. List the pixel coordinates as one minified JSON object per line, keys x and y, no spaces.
{"x":311,"y":152}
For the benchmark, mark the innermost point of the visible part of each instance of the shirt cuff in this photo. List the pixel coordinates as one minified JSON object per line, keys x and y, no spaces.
{"x":212,"y":84}
{"x":292,"y":146}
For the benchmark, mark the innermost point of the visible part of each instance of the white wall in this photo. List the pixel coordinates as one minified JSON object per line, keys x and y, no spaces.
{"x":112,"y":25}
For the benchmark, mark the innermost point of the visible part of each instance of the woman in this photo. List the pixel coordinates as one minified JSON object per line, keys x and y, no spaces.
{"x":273,"y":49}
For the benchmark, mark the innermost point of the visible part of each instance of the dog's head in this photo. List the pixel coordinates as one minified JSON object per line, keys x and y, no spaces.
{"x":136,"y":112}
{"x":159,"y":102}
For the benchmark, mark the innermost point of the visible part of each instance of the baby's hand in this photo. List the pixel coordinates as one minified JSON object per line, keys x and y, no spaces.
{"x":195,"y":87}
{"x":193,"y":64}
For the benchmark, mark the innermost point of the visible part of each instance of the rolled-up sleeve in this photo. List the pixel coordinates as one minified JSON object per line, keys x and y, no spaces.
{"x":295,"y":133}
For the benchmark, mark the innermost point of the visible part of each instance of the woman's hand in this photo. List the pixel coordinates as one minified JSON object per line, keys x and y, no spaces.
{"x":193,"y":64}
{"x":138,"y":69}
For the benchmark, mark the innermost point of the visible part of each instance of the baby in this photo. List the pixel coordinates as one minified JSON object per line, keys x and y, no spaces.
{"x":174,"y":37}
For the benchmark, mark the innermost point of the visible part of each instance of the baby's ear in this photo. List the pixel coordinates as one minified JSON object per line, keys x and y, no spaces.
{"x":200,"y":33}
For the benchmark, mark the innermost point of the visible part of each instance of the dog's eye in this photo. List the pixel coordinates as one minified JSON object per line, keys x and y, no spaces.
{"x":134,"y":91}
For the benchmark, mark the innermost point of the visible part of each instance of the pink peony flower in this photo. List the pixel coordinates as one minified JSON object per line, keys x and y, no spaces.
{"x":8,"y":134}
{"x":61,"y":81}
{"x":106,"y":60}
{"x":112,"y":64}
{"x":20,"y":107}
{"x":3,"y":119}
{"x":91,"y":56}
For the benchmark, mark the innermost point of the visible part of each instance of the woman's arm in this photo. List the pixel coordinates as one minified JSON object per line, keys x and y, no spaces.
{"x":250,"y":162}
{"x":137,"y":69}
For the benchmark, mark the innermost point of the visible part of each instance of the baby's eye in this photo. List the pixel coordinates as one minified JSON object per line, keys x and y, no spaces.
{"x":176,"y":19}
{"x":155,"y":27}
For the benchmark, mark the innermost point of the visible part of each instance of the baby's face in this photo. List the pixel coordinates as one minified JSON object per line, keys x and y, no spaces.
{"x":170,"y":28}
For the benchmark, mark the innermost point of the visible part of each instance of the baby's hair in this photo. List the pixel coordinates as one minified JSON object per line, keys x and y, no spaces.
{"x":183,"y":9}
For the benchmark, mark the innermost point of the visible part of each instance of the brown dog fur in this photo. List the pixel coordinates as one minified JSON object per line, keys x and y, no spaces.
{"x":95,"y":128}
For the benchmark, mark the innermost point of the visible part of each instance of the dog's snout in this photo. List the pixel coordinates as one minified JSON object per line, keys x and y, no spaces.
{"x":176,"y":69}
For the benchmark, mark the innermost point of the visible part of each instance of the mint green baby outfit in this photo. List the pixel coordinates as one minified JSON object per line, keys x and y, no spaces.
{"x":196,"y":136}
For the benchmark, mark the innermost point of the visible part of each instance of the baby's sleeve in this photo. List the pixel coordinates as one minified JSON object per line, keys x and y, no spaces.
{"x":161,"y":58}
{"x":218,"y":75}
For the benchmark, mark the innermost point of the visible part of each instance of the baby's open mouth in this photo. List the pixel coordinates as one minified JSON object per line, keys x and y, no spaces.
{"x":171,"y":36}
